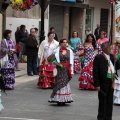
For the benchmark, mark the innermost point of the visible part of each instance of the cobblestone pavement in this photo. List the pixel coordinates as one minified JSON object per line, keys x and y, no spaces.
{"x":27,"y":102}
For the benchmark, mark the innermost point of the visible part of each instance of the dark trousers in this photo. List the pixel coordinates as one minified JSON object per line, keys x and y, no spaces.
{"x":32,"y":64}
{"x":106,"y":102}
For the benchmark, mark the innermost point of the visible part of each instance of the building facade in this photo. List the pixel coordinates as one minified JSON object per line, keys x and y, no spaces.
{"x":67,"y":18}
{"x":31,"y":18}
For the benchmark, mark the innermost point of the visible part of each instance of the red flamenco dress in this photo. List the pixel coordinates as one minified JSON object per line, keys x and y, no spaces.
{"x":46,"y":77}
{"x":86,"y":75}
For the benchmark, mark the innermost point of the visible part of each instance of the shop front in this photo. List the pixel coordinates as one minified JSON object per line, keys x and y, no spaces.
{"x":67,"y":17}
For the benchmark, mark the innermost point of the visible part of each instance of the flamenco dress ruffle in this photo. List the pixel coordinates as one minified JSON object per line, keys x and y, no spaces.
{"x":86,"y":78}
{"x":46,"y":78}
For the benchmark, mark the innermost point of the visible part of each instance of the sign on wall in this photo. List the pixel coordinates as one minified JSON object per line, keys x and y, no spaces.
{"x":117,"y":17}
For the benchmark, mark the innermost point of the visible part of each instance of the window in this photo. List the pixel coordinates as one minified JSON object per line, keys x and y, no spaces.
{"x":89,"y":18}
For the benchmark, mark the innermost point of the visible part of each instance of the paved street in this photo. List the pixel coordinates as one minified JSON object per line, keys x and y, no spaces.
{"x":27,"y":102}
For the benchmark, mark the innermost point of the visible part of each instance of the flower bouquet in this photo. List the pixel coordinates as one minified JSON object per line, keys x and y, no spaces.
{"x":52,"y":58}
{"x":18,"y":48}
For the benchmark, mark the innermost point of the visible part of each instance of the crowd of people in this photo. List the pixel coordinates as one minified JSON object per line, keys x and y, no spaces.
{"x":56,"y":60}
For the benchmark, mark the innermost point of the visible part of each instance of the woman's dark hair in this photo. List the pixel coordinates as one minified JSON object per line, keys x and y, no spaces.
{"x":61,"y":40}
{"x":51,"y":28}
{"x":6,"y":32}
{"x":50,"y":33}
{"x":22,"y":27}
{"x":36,"y":29}
{"x":93,"y":40}
{"x":74,"y":32}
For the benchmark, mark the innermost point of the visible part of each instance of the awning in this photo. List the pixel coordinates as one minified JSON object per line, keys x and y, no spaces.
{"x":69,"y":4}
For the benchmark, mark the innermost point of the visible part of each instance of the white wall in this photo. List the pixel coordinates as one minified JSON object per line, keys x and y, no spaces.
{"x":97,"y":5}
{"x":13,"y":23}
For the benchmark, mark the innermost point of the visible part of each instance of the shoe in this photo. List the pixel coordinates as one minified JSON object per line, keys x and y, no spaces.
{"x":30,"y":74}
{"x":36,"y":73}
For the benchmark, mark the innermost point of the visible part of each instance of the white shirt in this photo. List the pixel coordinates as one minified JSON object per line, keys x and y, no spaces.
{"x":49,"y":49}
{"x":111,"y":64}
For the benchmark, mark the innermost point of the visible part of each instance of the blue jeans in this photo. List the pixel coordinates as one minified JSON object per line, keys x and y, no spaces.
{"x":32,"y":64}
{"x":22,"y":50}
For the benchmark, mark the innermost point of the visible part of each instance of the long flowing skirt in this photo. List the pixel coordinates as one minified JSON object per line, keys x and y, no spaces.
{"x":1,"y":106}
{"x":63,"y":92}
{"x":86,"y":76}
{"x":63,"y":95}
{"x":46,"y":78}
{"x":117,"y":89}
{"x":8,"y":73}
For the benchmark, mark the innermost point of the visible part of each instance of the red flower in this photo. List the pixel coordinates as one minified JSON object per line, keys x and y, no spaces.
{"x":10,"y":42}
{"x":18,"y":48}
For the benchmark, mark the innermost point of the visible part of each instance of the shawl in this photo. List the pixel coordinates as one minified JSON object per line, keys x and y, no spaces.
{"x":41,"y":49}
{"x":4,"y":53}
{"x":71,"y":57}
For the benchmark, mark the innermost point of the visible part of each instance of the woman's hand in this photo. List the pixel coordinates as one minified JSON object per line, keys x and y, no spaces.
{"x":12,"y":50}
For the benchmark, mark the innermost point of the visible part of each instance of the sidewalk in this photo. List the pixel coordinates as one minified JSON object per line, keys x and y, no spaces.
{"x":23,"y":68}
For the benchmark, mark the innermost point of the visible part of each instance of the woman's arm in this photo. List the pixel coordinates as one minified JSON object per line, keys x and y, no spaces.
{"x":3,"y":49}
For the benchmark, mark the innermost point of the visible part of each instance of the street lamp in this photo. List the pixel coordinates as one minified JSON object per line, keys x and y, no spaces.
{"x":43,"y":4}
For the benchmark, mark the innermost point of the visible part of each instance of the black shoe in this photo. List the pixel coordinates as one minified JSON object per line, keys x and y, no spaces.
{"x":30,"y":74}
{"x":35,"y":73}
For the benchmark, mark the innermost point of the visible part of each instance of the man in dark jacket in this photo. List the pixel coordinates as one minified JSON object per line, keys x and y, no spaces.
{"x":22,"y":35}
{"x":32,"y":53}
{"x":103,"y":75}
{"x":97,"y":32}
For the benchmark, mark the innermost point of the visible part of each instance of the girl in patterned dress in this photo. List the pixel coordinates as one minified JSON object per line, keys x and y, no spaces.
{"x":8,"y":59}
{"x":101,"y":40}
{"x":61,"y":92}
{"x":74,"y":42}
{"x":86,"y":75}
{"x":47,"y":47}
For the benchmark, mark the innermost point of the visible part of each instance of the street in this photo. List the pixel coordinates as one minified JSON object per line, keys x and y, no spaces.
{"x":28,"y":102}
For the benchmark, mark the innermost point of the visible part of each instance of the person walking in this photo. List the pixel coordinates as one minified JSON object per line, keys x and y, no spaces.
{"x":88,"y":31}
{"x":103,"y":76}
{"x":97,"y":32}
{"x":46,"y":48}
{"x":74,"y":43}
{"x":18,"y":46}
{"x":101,"y":40}
{"x":8,"y":60}
{"x":22,"y":34}
{"x":52,"y":29}
{"x":86,"y":75}
{"x":32,"y":53}
{"x":37,"y":36}
{"x":61,"y":92}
